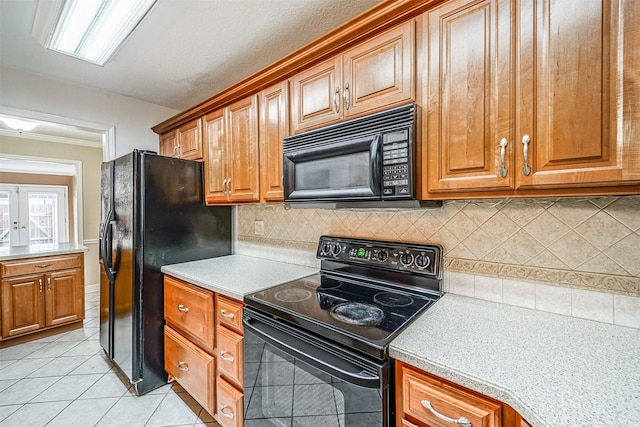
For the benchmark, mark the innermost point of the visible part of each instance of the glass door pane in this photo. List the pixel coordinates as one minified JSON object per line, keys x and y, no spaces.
{"x":5,"y":219}
{"x":43,"y":217}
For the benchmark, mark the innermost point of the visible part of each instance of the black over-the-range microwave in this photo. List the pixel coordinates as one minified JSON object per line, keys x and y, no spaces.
{"x":363,"y":162}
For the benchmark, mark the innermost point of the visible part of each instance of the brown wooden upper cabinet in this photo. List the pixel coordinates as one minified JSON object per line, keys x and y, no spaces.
{"x":531,"y":95}
{"x":274,"y":126}
{"x":184,"y":142}
{"x":232,"y":159}
{"x":373,"y":75}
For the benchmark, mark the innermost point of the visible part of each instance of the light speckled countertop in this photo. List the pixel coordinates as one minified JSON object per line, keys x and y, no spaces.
{"x":32,"y":251}
{"x":237,"y":275}
{"x":556,"y":371}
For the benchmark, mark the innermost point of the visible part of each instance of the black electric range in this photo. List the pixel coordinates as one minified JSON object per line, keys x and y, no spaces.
{"x":365,"y":294}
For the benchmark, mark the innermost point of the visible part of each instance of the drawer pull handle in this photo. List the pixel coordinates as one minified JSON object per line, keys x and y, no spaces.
{"x":183,"y":308}
{"x":224,"y":313}
{"x":227,"y":358}
{"x":40,"y":285}
{"x":226,"y":411}
{"x":460,"y":421}
{"x":43,"y":265}
{"x":526,"y":170}
{"x":503,"y":168}
{"x":183,"y":366}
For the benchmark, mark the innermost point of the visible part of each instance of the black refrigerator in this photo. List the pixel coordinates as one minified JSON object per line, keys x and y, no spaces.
{"x":153,"y":214}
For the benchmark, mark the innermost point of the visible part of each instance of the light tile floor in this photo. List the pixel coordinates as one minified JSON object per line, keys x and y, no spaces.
{"x":66,"y":380}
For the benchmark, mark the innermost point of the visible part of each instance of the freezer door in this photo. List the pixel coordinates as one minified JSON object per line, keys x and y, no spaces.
{"x":105,"y":257}
{"x":124,"y":201}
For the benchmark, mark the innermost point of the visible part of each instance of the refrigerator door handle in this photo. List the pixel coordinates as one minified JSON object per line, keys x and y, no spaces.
{"x":106,"y":247}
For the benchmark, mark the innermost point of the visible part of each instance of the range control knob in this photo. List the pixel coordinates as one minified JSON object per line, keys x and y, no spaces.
{"x":325,"y":249}
{"x":336,"y":249}
{"x":382,"y":255}
{"x":406,"y":259}
{"x":422,"y":261}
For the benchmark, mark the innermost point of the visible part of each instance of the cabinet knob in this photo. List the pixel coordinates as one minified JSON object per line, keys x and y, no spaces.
{"x":462,"y":421}
{"x":40,"y":285}
{"x":226,"y":411}
{"x":183,"y":366}
{"x":48,"y":283}
{"x":183,"y":308}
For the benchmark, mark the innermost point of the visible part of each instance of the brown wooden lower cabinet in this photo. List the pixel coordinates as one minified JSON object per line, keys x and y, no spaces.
{"x":204,"y":348}
{"x":230,"y":410}
{"x":41,"y":296}
{"x":192,"y":367}
{"x":425,"y":400}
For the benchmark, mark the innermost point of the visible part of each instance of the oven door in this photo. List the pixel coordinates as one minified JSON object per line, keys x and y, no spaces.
{"x":293,"y":379}
{"x":340,"y":171}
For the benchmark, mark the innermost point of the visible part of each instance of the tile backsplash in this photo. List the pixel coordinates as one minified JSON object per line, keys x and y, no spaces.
{"x":587,"y":244}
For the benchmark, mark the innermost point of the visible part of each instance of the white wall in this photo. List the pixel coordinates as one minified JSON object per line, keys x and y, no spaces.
{"x":131,"y":118}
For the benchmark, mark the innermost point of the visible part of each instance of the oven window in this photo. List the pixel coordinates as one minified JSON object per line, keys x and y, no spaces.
{"x":334,"y":173}
{"x":283,"y":391}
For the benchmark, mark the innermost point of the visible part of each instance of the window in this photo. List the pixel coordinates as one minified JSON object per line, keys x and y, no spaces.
{"x":33,"y":215}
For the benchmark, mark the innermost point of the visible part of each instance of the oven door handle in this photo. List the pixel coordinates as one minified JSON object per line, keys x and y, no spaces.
{"x":311,"y":354}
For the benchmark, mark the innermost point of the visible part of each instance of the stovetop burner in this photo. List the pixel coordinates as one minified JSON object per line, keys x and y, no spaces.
{"x":357,"y":313}
{"x":293,"y":295}
{"x":365,"y":293}
{"x":392,"y":299}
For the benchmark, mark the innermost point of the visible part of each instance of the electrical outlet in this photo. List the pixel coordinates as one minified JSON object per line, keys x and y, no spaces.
{"x":258,"y":228}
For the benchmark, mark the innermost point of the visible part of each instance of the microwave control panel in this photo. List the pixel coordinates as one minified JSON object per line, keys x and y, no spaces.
{"x":396,"y":164}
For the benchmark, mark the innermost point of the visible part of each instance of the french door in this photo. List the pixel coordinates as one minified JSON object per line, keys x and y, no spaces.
{"x":33,"y":214}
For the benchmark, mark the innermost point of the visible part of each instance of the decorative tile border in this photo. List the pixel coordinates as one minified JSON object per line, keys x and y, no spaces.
{"x":622,"y":285}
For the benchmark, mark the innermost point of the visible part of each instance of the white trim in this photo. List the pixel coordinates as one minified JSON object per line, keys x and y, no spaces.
{"x":91,"y":241}
{"x":51,"y":138}
{"x":77,"y":195}
{"x":109,"y":132}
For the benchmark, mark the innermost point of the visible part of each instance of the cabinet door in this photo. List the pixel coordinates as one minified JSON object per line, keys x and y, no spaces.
{"x":215,"y":173}
{"x":64,"y":297}
{"x":317,"y":95}
{"x":575,"y":107}
{"x":469,"y":95}
{"x":379,"y":73}
{"x":429,"y":400}
{"x":190,"y":309}
{"x":274,"y":126}
{"x":22,"y":305}
{"x":230,"y":355}
{"x":230,"y":411}
{"x":242,"y":128}
{"x":169,"y":144}
{"x":190,"y":140}
{"x":192,"y":368}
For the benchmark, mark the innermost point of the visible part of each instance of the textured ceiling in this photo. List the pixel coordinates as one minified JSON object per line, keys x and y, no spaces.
{"x":184,"y":51}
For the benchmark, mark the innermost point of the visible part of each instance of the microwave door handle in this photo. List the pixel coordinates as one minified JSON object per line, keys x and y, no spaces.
{"x":375,"y":163}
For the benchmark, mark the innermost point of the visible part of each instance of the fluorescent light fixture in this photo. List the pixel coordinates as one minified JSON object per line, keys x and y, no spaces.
{"x":19,"y":125}
{"x":92,"y":30}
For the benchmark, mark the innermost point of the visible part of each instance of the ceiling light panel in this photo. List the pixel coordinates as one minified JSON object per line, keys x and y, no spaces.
{"x":93,"y":30}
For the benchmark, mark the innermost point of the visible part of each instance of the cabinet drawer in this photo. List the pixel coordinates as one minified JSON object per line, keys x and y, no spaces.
{"x":19,"y":267}
{"x":192,"y":367}
{"x":229,"y":313}
{"x":190,"y":309}
{"x":230,"y":411}
{"x":230,"y":355}
{"x":420,"y":390}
